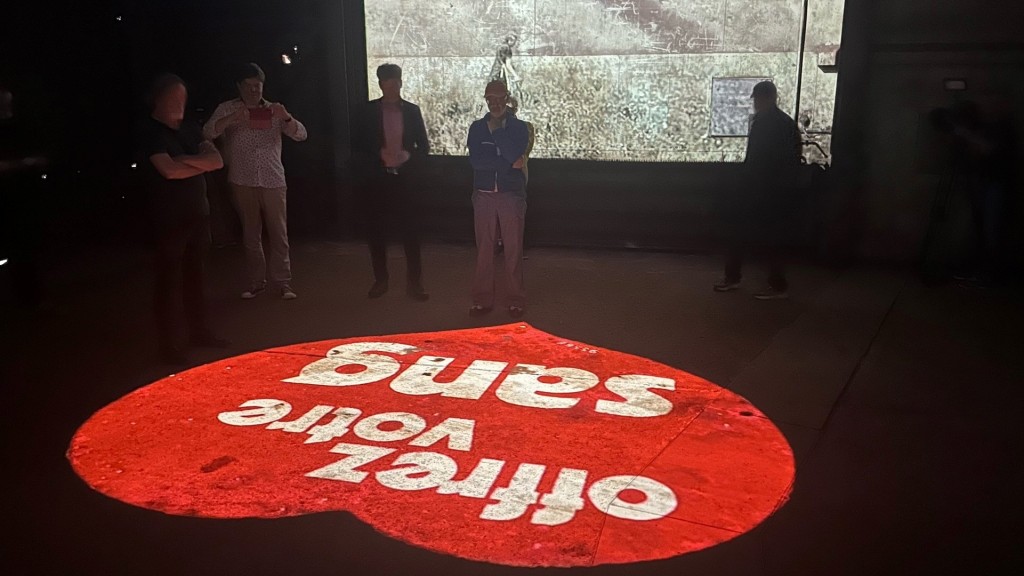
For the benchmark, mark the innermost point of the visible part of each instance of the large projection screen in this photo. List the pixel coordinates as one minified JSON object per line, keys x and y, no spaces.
{"x":619,"y":80}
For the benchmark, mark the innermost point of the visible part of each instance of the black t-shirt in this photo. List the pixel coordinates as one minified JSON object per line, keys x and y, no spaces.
{"x":172,"y":200}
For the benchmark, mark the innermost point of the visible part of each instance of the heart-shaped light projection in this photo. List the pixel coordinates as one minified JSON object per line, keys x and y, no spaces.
{"x":502,"y":444}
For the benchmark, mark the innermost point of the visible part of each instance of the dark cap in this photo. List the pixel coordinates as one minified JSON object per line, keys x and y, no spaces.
{"x":764,"y":89}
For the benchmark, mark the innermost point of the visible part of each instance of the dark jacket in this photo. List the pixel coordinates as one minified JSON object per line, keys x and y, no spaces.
{"x":368,"y":138}
{"x":774,"y":150}
{"x":493,"y":153}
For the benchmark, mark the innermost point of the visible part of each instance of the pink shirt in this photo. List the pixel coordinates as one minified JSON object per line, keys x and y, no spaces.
{"x":393,"y":154}
{"x":253,"y":156}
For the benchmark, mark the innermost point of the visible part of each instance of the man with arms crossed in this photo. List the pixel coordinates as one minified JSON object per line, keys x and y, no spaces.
{"x":177,"y":157}
{"x":497,"y":145}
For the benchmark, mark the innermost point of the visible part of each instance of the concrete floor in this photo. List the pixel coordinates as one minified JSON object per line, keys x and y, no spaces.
{"x":902,"y":404}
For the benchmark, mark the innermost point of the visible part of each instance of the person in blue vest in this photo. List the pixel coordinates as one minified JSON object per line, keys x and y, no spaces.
{"x":497,"y":147}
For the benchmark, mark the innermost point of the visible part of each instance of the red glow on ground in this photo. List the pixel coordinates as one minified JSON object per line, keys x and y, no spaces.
{"x":502,"y":444}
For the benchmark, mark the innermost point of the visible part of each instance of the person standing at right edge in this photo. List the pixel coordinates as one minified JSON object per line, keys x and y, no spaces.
{"x":989,"y":141}
{"x":389,"y":149}
{"x":762,"y":212}
{"x":497,"y":146}
{"x":177,"y":158}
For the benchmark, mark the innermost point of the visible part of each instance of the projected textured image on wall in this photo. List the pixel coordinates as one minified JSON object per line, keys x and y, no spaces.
{"x":636,"y":80}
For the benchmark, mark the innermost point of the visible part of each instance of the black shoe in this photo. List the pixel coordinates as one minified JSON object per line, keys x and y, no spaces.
{"x":727,"y":285}
{"x":477,"y":310}
{"x":378,"y":289}
{"x":254,"y":291}
{"x":206,"y":339}
{"x":417,"y":293}
{"x":516,"y":311}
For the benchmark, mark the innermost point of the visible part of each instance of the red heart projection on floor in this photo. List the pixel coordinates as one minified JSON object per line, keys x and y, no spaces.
{"x":501,"y":444}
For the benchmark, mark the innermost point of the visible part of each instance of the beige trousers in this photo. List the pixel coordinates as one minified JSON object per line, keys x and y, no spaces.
{"x":261,"y":208}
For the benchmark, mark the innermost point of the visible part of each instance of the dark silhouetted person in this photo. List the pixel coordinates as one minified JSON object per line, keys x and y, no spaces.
{"x":502,"y":68}
{"x":390,"y":148}
{"x":986,"y":141}
{"x":497,"y":147}
{"x":21,"y":203}
{"x":251,"y":128}
{"x":764,"y":205}
{"x":177,"y":157}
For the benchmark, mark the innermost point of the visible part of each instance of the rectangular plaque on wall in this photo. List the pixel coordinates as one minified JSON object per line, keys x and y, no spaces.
{"x":731,"y":106}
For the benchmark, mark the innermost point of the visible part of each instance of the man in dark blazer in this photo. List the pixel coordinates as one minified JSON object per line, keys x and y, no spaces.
{"x":389,"y":152}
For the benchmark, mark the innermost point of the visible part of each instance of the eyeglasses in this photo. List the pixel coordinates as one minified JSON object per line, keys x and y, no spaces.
{"x":496,"y":99}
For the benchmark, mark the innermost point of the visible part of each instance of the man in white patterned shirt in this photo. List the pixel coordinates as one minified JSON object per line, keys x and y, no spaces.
{"x":251,"y":128}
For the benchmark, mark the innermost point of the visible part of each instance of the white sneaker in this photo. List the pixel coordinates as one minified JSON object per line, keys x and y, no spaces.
{"x":287,"y":293}
{"x":253,"y":292}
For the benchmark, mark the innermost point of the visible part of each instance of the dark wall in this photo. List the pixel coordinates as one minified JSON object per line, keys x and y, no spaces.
{"x":79,"y":72}
{"x":86,"y":71}
{"x":912,"y":47}
{"x":66,"y":69}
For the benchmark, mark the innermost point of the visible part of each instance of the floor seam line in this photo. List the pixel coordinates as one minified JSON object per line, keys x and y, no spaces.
{"x":863,"y":357}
